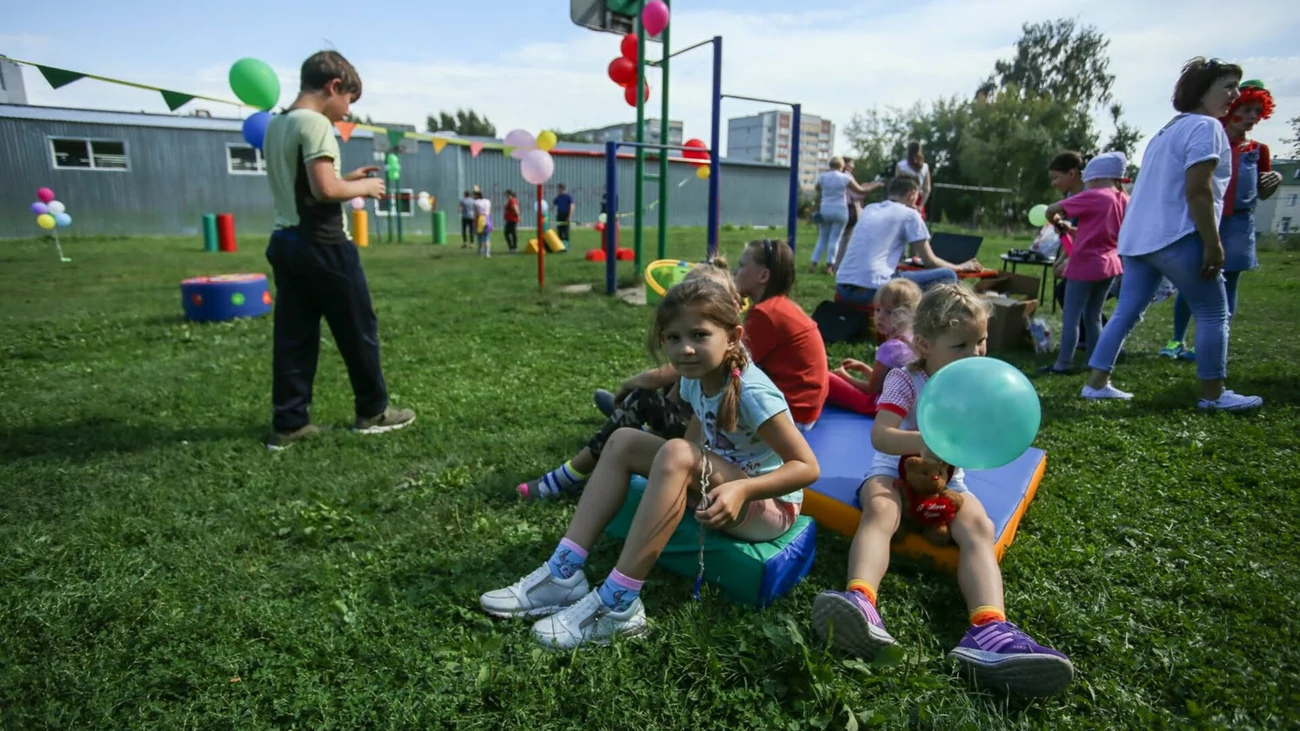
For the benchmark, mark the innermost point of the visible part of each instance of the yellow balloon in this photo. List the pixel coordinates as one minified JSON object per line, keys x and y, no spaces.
{"x":702,"y":172}
{"x":546,"y":140}
{"x":45,"y":221}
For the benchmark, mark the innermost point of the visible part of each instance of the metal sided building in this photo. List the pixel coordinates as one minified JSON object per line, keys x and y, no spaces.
{"x":135,"y":174}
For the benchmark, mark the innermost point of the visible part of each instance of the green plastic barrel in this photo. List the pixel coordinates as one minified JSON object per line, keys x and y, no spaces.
{"x":209,"y":232}
{"x":439,"y":227}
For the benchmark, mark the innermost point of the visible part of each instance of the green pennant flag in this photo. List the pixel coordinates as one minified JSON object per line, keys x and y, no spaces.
{"x":395,"y":137}
{"x":59,"y":77}
{"x":175,"y":100}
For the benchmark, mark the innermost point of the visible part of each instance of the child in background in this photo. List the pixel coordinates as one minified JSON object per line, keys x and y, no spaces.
{"x":648,"y":400}
{"x":951,"y":324}
{"x":512,"y":221}
{"x":740,"y":469}
{"x":782,"y":339}
{"x":895,"y":305}
{"x":1094,"y":260}
{"x":483,"y":223}
{"x":467,"y":232}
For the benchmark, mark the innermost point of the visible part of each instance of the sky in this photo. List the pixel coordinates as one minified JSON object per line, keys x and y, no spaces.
{"x":525,"y":64}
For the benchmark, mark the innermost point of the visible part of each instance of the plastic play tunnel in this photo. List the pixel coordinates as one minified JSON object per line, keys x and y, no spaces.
{"x":661,"y":275}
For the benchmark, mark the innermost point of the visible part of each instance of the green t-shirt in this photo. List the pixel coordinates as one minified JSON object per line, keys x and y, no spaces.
{"x":294,"y":139}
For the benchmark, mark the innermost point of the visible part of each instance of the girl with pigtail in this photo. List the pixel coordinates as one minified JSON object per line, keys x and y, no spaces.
{"x":740,"y":468}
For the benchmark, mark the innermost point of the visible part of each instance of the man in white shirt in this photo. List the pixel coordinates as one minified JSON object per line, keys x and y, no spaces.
{"x":884,"y":232}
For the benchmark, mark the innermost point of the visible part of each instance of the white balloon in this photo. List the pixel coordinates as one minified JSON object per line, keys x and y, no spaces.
{"x":521,"y":139}
{"x":424,"y":195}
{"x":537,"y":166}
{"x":56,"y":208}
{"x":424,"y":205}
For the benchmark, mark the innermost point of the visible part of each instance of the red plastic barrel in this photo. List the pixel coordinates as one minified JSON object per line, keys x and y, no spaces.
{"x":226,"y":232}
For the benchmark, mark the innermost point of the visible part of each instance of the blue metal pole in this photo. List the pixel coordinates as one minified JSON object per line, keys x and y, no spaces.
{"x":715,"y":166}
{"x":611,"y":216}
{"x":792,"y":222}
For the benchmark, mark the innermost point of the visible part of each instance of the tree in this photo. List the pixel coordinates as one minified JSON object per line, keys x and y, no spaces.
{"x":1060,"y":60}
{"x":465,"y":122}
{"x":350,"y":117}
{"x":1125,"y":137}
{"x":1295,"y":136}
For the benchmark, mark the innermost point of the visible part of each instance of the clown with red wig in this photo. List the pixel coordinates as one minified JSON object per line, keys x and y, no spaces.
{"x":1253,"y":180}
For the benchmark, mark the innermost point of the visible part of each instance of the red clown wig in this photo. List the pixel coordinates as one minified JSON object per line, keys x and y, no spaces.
{"x":1252,"y":91}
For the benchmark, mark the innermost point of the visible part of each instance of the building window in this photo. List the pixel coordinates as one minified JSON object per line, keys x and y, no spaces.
{"x":1284,"y":226}
{"x":244,"y":160}
{"x":1291,"y":200}
{"x":405,"y":201}
{"x":71,"y":153}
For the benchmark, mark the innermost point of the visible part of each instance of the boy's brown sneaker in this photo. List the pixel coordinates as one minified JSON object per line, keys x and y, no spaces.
{"x":391,"y":420}
{"x":284,"y":440}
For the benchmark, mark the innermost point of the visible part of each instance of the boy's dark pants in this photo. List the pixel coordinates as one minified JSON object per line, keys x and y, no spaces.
{"x":562,"y":226}
{"x":466,"y":230}
{"x":313,"y":281}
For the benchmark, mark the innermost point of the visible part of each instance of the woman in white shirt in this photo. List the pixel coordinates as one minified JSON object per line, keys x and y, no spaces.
{"x":916,"y":166}
{"x":1171,"y":229}
{"x":833,"y":205}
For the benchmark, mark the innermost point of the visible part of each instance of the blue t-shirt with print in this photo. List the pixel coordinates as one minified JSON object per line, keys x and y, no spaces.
{"x":760,"y":400}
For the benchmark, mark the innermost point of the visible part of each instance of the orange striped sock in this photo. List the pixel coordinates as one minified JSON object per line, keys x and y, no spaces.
{"x":864,"y":589}
{"x":986,"y":614}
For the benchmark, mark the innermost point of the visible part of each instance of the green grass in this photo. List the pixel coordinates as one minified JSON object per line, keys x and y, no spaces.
{"x":160,"y":569}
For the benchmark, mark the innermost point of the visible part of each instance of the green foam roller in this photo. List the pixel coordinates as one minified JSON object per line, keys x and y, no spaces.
{"x":439,"y":227}
{"x":209,"y":232}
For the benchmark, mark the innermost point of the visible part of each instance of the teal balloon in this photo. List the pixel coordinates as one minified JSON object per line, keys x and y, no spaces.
{"x":979,"y":413}
{"x":255,"y":83}
{"x":1038,"y":215}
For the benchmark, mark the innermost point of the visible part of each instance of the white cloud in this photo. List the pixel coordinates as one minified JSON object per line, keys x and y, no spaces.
{"x":835,"y":61}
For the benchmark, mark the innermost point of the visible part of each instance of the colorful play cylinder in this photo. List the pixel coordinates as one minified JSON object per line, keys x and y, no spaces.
{"x":209,"y":232}
{"x":439,"y":227}
{"x":361,"y":228}
{"x":225,"y":297}
{"x":226,"y":233}
{"x":661,"y":275}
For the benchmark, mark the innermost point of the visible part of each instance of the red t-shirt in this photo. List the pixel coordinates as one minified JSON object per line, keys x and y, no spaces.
{"x":785,"y":342}
{"x":1265,"y":165}
{"x":512,"y":210}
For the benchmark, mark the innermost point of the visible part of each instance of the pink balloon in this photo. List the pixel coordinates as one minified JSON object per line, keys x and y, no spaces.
{"x":358,"y":203}
{"x":537,"y":166}
{"x":45,"y":195}
{"x":655,"y":17}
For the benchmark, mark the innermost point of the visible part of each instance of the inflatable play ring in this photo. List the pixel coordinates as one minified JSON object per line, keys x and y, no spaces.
{"x":225,"y":297}
{"x":661,"y":275}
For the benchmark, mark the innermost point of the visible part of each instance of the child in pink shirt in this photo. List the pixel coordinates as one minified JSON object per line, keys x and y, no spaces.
{"x":1094,"y":257}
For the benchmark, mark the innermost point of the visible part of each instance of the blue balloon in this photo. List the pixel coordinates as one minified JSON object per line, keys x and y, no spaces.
{"x":255,"y":128}
{"x":62,"y":220}
{"x":979,"y":413}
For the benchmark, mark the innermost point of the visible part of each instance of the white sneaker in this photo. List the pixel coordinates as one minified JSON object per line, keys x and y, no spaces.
{"x":1229,"y":401}
{"x":1107,"y":391}
{"x":590,"y":621}
{"x":536,"y":595}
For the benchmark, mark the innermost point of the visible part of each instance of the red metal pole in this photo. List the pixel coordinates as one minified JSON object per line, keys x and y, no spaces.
{"x":541,"y":244}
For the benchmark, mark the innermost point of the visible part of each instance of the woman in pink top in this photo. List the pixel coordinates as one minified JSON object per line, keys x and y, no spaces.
{"x":1094,"y":259}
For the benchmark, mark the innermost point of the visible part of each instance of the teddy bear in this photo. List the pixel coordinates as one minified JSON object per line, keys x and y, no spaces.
{"x":928,"y":504}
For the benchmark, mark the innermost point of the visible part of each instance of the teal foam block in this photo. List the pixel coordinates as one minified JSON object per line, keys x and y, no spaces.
{"x":753,"y":574}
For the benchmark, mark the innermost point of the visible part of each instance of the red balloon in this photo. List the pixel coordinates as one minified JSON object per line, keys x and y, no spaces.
{"x":600,"y":227}
{"x":629,"y":93}
{"x":698,"y":151}
{"x":622,"y":71}
{"x":629,"y":47}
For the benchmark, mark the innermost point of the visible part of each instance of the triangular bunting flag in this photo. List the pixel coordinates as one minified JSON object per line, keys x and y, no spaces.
{"x":59,"y":77}
{"x":438,"y":144}
{"x":345,"y":129}
{"x":475,"y":148}
{"x":175,"y":100}
{"x":505,"y":151}
{"x":395,"y":137}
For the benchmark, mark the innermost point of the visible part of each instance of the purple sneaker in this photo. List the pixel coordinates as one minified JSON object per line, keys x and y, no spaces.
{"x":850,"y":622}
{"x":1000,"y":655}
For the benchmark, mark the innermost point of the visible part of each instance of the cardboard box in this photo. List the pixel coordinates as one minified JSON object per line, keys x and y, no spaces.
{"x":1013,"y":298}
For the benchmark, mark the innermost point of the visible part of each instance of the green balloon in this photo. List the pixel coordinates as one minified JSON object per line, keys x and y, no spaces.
{"x":1038,"y":215}
{"x":392,"y":159}
{"x":255,"y":83}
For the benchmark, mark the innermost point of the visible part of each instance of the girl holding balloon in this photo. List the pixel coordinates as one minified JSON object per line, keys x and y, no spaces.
{"x":951,"y":325}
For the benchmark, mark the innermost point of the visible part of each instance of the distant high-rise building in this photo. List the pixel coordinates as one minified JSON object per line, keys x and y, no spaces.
{"x":627,"y":132}
{"x":12,"y":90}
{"x":765,"y":137}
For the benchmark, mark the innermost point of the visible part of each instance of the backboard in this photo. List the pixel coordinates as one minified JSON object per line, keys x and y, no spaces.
{"x":607,"y":16}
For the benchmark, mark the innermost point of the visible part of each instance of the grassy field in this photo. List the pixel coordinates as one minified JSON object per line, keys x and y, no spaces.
{"x":161,"y":569}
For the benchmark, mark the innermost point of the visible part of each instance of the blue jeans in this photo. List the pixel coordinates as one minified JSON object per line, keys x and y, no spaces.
{"x":829,"y":231}
{"x":925,"y":279}
{"x":1238,"y":234}
{"x":1083,"y":301}
{"x":1208,"y":299}
{"x":1183,"y":312}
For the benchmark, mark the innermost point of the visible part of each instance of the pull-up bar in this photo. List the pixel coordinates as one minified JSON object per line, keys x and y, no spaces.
{"x":678,"y":53}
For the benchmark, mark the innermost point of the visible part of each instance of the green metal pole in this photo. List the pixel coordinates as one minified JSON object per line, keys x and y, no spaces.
{"x":392,"y":205}
{"x":638,"y":221}
{"x":663,"y":154}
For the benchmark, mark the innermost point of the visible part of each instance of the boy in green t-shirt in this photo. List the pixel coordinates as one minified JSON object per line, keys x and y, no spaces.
{"x":316,"y":266}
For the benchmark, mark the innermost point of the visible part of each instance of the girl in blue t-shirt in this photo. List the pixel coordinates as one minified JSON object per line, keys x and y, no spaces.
{"x":742,"y":466}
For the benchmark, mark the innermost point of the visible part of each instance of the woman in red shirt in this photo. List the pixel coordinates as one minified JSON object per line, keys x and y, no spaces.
{"x":782,"y":339}
{"x":512,"y":220}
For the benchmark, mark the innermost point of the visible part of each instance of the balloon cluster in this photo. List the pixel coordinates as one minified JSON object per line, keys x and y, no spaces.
{"x":393,"y":166}
{"x":49,"y":212}
{"x":622,"y":70}
{"x":698,"y":151}
{"x":600,"y":222}
{"x":424,"y":201}
{"x":256,"y":85}
{"x":533,"y":154}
